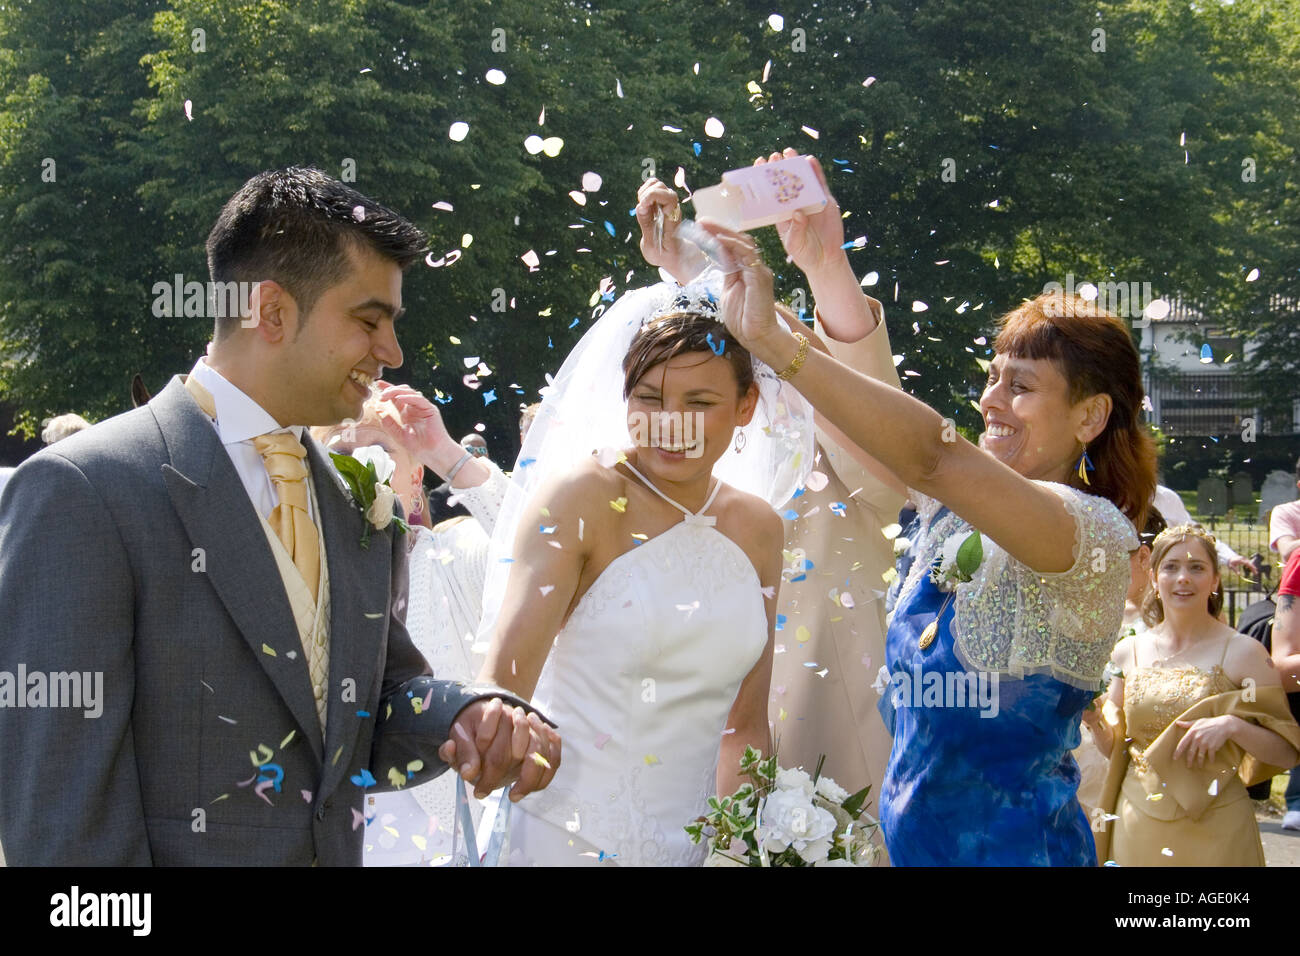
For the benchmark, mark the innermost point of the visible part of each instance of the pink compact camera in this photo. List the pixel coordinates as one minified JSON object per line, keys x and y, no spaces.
{"x":762,"y":195}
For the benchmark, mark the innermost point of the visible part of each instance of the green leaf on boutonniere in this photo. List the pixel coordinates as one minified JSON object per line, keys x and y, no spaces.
{"x":353,"y":474}
{"x":969,"y":555}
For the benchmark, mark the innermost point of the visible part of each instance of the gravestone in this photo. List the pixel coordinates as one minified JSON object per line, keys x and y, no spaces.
{"x":1241,"y":490}
{"x":1211,"y":498}
{"x":1278,"y":488}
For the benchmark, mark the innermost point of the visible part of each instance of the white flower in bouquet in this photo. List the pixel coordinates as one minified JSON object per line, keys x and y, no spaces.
{"x":791,"y":821}
{"x":831,"y":790}
{"x":795,"y":779}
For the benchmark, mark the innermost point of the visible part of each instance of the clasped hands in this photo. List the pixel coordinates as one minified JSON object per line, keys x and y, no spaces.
{"x":1203,"y":739}
{"x":493,"y":743}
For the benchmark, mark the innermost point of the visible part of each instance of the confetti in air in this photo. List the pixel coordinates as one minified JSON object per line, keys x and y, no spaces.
{"x":458,"y":131}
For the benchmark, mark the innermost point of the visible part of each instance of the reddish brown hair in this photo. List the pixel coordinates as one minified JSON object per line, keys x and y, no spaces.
{"x":1094,"y":351}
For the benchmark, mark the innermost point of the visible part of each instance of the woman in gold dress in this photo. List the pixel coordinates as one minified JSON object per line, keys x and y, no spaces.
{"x":1197,"y":714}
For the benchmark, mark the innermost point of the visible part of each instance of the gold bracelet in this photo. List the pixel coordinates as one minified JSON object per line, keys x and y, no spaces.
{"x":791,"y":370}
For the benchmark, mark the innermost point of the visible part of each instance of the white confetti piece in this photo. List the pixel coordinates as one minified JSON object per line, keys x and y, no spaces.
{"x":359,"y":213}
{"x":459,"y":130}
{"x":1254,"y":274}
{"x":871,"y":278}
{"x":713,"y":127}
{"x":671,"y":129}
{"x":776,"y":22}
{"x":919,"y":306}
{"x":868,"y":81}
{"x":495,"y":77}
{"x":546,"y":589}
{"x":578,"y":196}
{"x":591,"y":182}
{"x":618,"y":88}
{"x":816,"y":481}
{"x":811,"y":132}
{"x":533,"y":144}
{"x":444,"y":206}
{"x":530,"y":259}
{"x":767,"y":70}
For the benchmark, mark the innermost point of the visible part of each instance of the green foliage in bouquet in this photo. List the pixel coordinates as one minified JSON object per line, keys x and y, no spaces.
{"x":784,"y":817}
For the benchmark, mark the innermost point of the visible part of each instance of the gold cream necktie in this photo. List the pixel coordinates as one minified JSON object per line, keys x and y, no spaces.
{"x":284,"y":457}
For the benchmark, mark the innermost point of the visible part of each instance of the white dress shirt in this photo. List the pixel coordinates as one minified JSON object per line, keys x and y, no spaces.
{"x":239,"y":421}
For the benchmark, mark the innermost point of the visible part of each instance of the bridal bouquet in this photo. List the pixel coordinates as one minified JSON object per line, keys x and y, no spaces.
{"x":786,"y":818}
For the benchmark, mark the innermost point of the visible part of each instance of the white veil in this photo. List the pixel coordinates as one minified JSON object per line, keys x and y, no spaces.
{"x":583,"y":411}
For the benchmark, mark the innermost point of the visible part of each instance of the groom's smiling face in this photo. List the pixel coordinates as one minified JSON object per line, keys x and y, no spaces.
{"x":333,"y":354}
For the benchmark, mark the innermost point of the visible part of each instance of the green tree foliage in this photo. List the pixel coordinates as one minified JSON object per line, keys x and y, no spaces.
{"x":979,"y":149}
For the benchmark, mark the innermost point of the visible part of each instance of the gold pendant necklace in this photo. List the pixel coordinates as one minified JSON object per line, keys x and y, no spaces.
{"x":932,"y":629}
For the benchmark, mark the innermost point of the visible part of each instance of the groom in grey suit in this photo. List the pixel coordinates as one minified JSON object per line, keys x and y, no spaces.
{"x":200,"y":663}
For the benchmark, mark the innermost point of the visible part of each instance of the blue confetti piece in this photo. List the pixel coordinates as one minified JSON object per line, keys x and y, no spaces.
{"x":632,"y":211}
{"x":527,"y":461}
{"x":442,"y":401}
{"x":609,"y":228}
{"x":506,"y":561}
{"x":277,"y":779}
{"x":789,"y":514}
{"x":607,"y":296}
{"x":697,"y":147}
{"x":799,"y":492}
{"x":363,"y":779}
{"x":1207,"y":353}
{"x":603,"y":856}
{"x":837,"y":507}
{"x":840,"y":162}
{"x":545,"y":530}
{"x":848,"y":245}
{"x":489,"y":396}
{"x":717,"y":348}
{"x":573,"y":323}
{"x":802,"y":577}
{"x":549,"y":343}
{"x":780,"y":622}
{"x":808,"y":565}
{"x":363,"y":713}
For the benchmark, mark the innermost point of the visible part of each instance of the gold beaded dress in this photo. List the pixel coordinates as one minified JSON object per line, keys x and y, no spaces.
{"x":1165,"y":813}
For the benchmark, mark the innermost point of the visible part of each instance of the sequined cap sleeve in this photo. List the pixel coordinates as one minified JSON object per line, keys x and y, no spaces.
{"x":1017,"y":621}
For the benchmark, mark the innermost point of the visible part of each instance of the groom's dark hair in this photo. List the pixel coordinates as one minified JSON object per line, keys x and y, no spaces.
{"x":293,"y":226}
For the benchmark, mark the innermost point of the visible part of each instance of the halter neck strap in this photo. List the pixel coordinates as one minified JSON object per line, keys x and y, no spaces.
{"x":692,"y":517}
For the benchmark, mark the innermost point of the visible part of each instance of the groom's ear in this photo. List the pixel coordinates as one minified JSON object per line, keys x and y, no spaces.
{"x":274,"y":312}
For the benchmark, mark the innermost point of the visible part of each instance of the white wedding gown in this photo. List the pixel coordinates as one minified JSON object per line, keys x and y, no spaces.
{"x":640,"y":682}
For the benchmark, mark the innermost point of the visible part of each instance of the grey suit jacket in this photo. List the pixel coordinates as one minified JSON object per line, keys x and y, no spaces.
{"x":132,"y":550}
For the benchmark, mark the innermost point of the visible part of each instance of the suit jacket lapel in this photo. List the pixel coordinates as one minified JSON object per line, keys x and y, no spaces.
{"x":218,"y":516}
{"x":360,"y":594}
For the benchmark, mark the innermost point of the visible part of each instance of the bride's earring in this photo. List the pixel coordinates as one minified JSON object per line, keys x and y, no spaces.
{"x":740,"y":441}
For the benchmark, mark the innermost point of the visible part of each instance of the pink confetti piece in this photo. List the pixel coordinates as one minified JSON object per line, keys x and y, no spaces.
{"x":444,"y":206}
{"x":359,"y":213}
{"x":816,"y":481}
{"x":306,"y":796}
{"x":357,"y":818}
{"x":769,"y":592}
{"x":189,"y":110}
{"x":591,"y":182}
{"x":601,"y":740}
{"x":531,"y":260}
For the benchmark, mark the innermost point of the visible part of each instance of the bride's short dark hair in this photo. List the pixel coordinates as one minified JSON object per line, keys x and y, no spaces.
{"x":679,"y":333}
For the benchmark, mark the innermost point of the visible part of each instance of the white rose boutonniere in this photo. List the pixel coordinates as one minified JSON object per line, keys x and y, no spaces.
{"x":959,"y":559}
{"x":371,"y":493}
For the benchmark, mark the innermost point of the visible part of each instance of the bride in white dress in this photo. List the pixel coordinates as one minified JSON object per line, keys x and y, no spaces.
{"x":638,"y":593}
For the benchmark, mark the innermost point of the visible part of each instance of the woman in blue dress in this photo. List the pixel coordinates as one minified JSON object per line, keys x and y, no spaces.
{"x":998,"y":641}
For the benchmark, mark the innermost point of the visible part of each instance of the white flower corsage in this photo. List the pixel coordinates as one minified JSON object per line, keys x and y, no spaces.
{"x":366,"y":473}
{"x":959,"y":559}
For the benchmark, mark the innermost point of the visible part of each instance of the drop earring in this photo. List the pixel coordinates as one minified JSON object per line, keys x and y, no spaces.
{"x":1085,"y":466}
{"x":739,"y":444}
